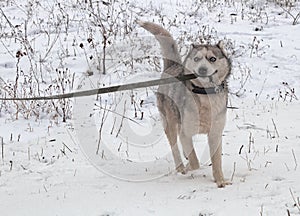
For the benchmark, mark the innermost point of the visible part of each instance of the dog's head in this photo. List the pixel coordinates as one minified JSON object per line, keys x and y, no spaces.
{"x":209,"y":62}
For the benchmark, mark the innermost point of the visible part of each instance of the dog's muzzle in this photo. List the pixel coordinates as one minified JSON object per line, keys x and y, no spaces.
{"x":203,"y":72}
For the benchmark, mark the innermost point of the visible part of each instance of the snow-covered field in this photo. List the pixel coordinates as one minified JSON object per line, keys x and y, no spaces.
{"x":108,"y":155}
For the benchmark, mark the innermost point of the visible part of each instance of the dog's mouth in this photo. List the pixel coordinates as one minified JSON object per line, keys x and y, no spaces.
{"x":206,"y":75}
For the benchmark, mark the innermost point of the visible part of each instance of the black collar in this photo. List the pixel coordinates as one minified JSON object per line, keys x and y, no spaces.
{"x":210,"y":90}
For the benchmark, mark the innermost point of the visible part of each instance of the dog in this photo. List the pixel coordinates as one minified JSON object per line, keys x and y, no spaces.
{"x":195,"y":106}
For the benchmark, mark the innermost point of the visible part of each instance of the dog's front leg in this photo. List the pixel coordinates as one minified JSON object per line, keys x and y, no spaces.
{"x":215,"y":147}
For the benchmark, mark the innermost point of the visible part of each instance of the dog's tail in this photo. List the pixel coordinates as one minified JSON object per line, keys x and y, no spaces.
{"x":168,"y":45}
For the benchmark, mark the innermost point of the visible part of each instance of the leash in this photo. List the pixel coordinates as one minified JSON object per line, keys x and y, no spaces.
{"x":131,"y":86}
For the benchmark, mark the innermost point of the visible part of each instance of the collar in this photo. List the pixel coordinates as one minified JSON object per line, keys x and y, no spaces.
{"x":210,"y":90}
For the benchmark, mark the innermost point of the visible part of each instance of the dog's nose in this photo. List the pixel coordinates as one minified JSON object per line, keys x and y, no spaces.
{"x":202,"y":71}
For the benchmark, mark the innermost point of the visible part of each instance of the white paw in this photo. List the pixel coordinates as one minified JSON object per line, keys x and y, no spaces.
{"x":223,"y":183}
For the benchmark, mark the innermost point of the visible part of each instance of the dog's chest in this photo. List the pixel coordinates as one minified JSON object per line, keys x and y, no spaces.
{"x":204,"y":113}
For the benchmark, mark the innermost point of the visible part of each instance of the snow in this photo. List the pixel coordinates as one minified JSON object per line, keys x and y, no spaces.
{"x":49,"y":167}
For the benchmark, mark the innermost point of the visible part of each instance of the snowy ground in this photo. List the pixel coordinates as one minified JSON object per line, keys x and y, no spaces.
{"x":49,"y":167}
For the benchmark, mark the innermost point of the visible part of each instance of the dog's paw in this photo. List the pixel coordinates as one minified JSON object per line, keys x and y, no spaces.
{"x":191,"y":167}
{"x":181,"y":169}
{"x":188,"y":168}
{"x":223,"y":183}
{"x":184,"y":171}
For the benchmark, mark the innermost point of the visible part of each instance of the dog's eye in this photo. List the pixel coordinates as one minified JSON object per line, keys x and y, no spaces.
{"x":212,"y":59}
{"x":196,"y":59}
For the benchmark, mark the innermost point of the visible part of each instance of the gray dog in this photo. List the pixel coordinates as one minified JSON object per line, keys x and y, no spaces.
{"x":196,"y":106}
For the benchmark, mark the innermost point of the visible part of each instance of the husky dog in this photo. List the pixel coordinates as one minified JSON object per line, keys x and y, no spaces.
{"x":195,"y":106}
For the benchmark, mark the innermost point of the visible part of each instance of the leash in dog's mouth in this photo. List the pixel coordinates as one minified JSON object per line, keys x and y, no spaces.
{"x":205,"y":76}
{"x":209,"y":90}
{"x":117,"y":88}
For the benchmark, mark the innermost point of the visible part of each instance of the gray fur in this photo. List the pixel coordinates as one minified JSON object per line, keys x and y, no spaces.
{"x":185,"y":114}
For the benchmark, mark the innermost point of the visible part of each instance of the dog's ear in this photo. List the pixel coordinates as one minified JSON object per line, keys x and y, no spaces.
{"x":221,"y":46}
{"x":194,"y":46}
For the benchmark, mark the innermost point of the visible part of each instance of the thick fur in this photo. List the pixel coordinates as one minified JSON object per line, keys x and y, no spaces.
{"x":185,"y":113}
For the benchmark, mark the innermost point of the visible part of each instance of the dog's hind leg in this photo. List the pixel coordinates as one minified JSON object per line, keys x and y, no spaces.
{"x":171,"y":132}
{"x":189,"y":151}
{"x":170,"y":117}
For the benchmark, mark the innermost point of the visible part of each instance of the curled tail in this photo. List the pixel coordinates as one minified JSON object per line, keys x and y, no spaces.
{"x":168,"y":45}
